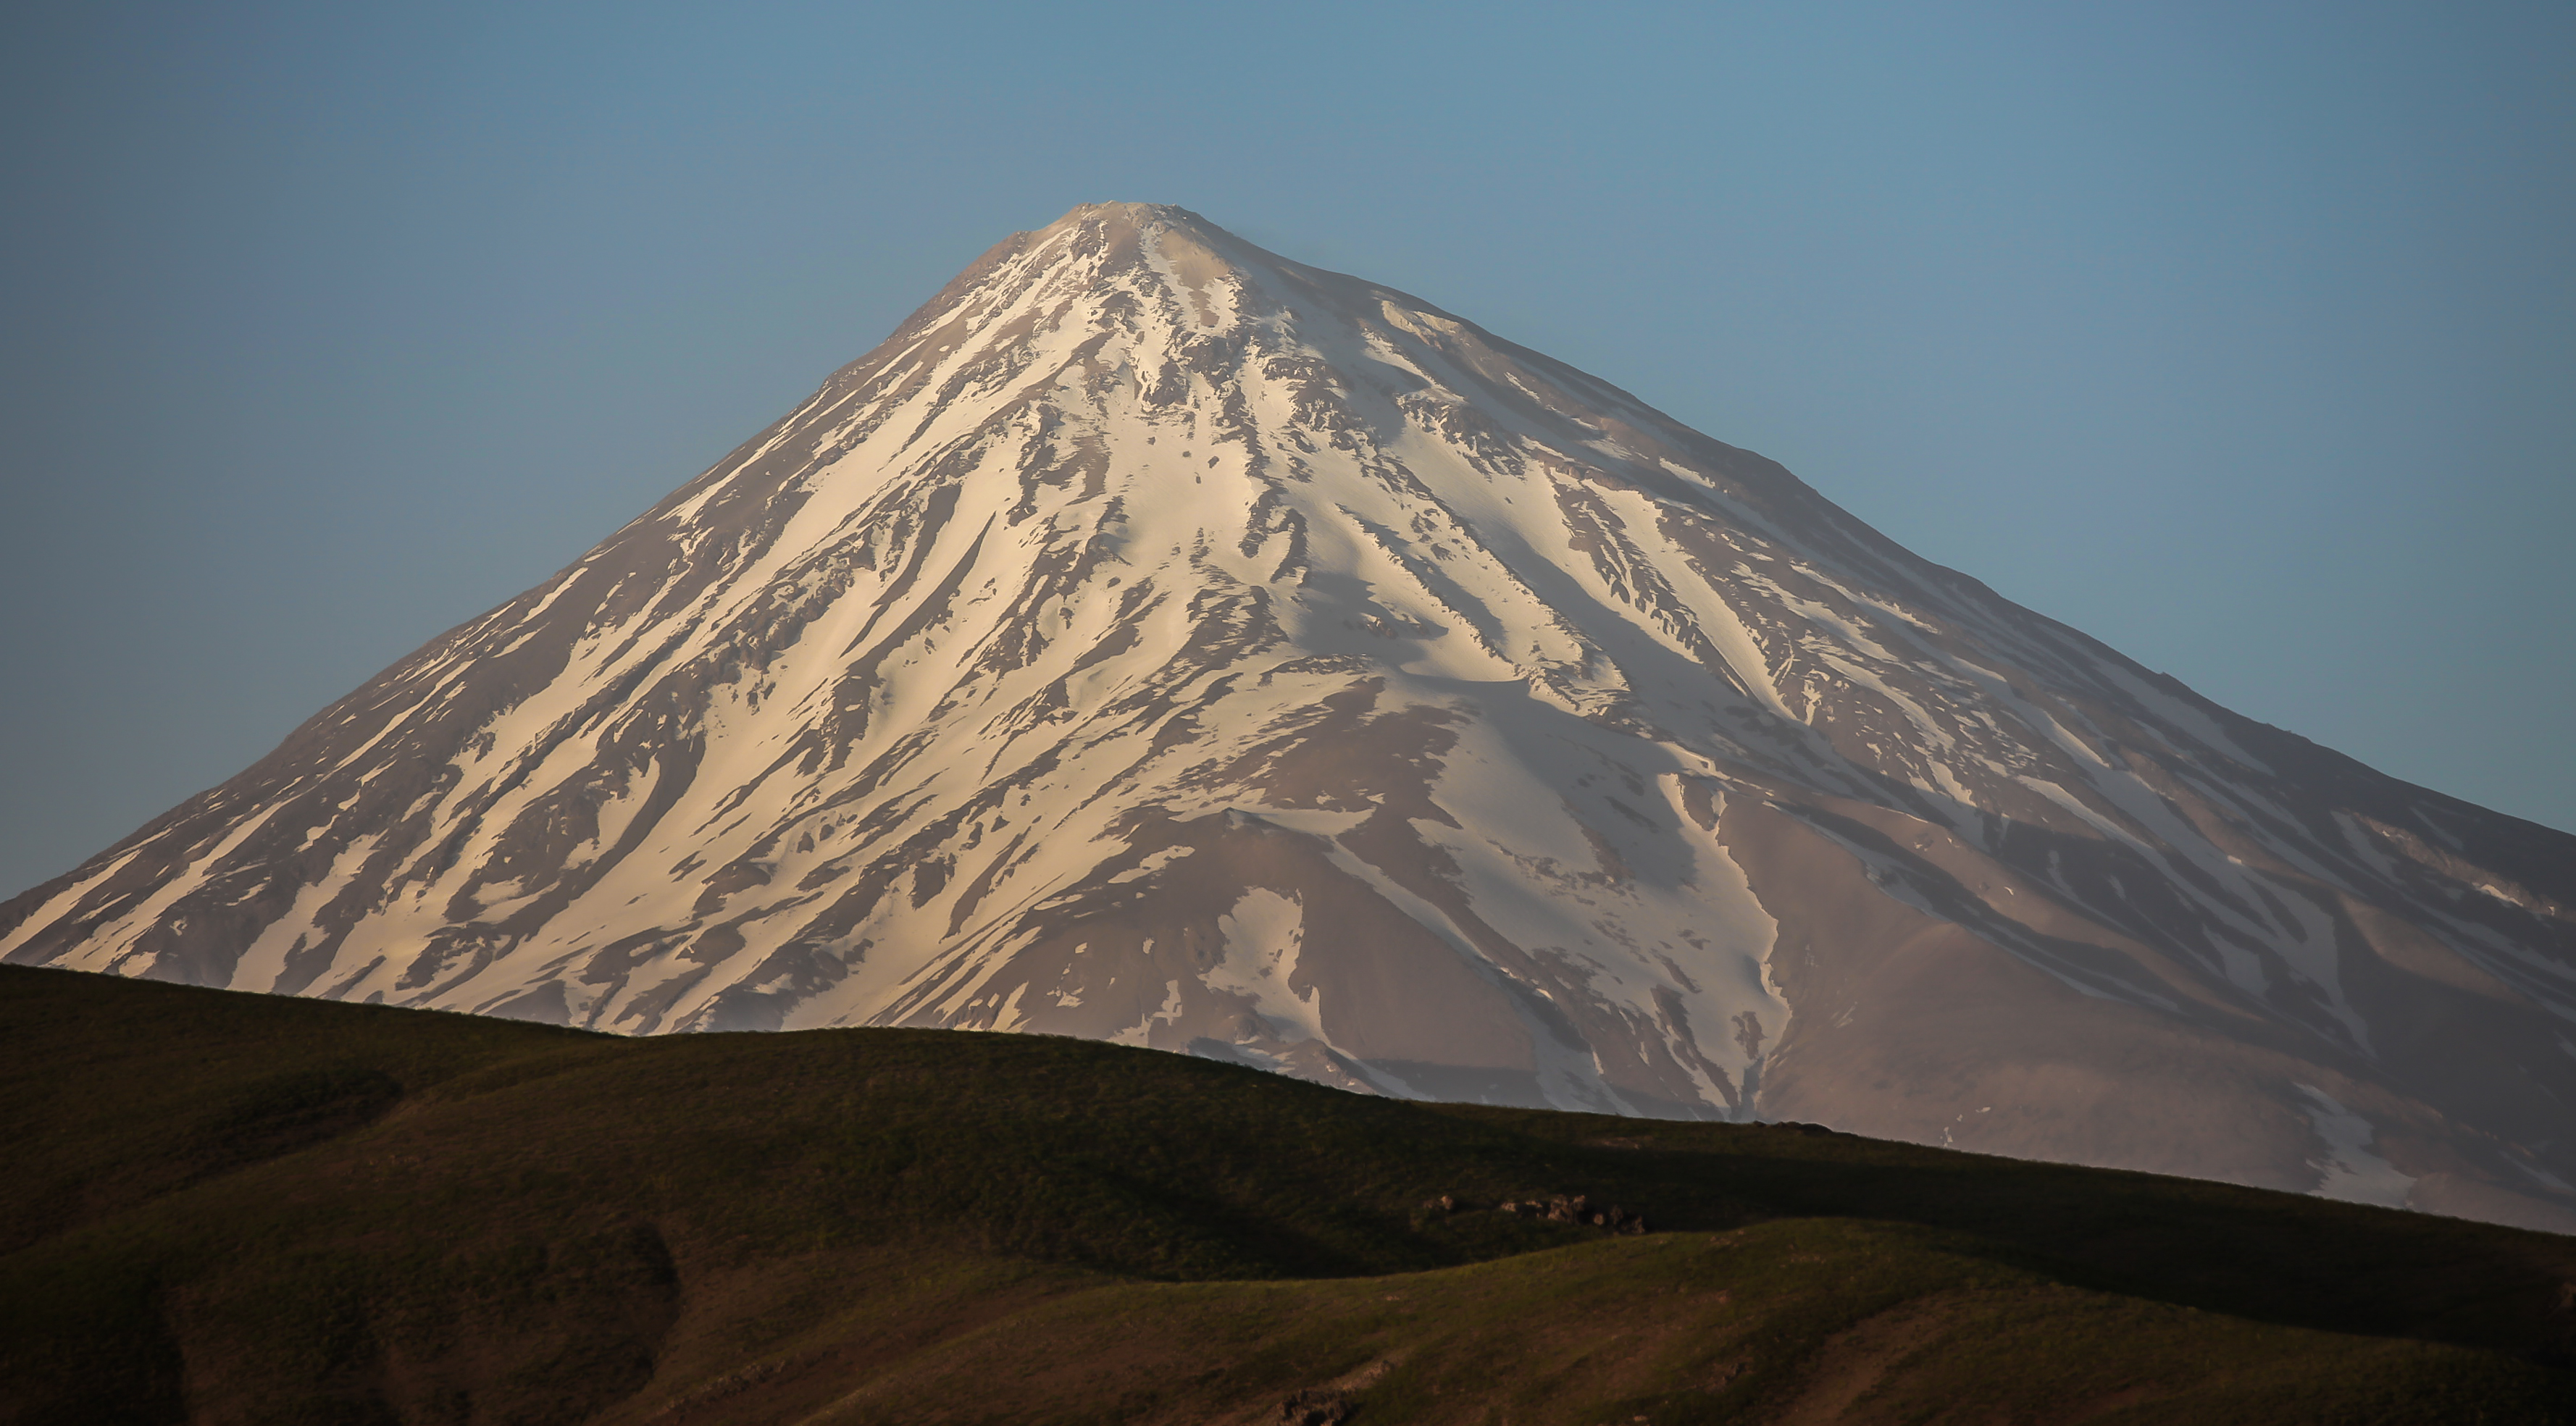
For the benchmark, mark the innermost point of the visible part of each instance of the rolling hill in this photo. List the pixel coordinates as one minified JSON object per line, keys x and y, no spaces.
{"x":235,"y":1208}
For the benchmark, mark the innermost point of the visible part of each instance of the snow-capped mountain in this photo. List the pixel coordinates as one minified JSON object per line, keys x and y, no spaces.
{"x":1162,"y":641}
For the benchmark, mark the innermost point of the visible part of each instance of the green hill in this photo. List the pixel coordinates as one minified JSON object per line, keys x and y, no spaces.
{"x":231,"y":1208}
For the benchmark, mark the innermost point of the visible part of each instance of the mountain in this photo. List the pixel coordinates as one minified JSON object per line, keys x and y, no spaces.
{"x":238,"y":1208}
{"x":1160,"y":641}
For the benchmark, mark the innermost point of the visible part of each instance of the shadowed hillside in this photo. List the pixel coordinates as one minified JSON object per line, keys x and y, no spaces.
{"x":222,"y":1207}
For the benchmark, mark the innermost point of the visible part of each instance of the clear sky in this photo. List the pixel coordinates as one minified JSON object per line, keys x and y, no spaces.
{"x":2240,"y":335}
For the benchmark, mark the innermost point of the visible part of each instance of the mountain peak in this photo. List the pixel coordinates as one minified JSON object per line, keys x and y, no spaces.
{"x":1189,"y":247}
{"x":1162,"y":641}
{"x":1129,"y":215}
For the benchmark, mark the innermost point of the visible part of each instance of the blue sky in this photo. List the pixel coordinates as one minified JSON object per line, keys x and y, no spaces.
{"x":2240,"y":336}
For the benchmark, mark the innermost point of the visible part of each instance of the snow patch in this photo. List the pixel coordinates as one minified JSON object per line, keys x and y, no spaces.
{"x":2349,"y":1171}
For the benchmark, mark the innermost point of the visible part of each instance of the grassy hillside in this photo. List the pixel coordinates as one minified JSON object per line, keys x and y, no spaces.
{"x":224,"y":1207}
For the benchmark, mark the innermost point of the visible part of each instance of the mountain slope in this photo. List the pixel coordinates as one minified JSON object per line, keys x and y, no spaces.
{"x":1158,"y":640}
{"x":232,"y":1208}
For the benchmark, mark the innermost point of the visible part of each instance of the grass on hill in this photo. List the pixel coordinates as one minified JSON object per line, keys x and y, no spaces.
{"x":233,"y":1208}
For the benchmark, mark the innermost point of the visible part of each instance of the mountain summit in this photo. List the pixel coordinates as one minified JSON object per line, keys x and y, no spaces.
{"x":1161,"y":641}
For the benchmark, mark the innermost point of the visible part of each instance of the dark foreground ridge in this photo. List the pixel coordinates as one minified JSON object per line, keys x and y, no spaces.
{"x":231,"y":1208}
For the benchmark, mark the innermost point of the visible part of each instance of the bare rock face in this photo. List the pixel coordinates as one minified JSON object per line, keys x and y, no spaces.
{"x":1161,"y":641}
